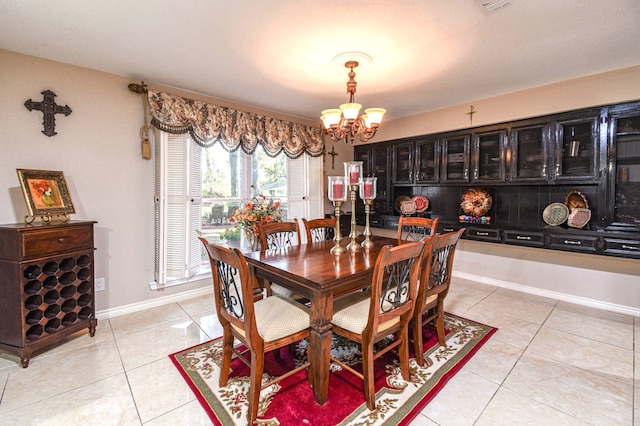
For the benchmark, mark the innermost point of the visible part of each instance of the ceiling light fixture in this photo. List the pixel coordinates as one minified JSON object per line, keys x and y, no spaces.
{"x":346,"y":122}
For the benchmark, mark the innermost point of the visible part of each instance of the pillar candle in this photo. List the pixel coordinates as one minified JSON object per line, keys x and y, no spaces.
{"x":337,"y":190}
{"x":353,"y":176}
{"x":368,"y":187}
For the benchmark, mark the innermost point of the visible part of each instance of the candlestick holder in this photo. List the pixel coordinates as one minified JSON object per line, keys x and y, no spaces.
{"x":353,"y":245}
{"x":337,"y":195}
{"x":368,"y":192}
{"x":337,"y":248}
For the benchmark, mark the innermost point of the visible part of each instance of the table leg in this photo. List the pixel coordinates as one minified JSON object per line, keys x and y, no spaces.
{"x":320,"y":344}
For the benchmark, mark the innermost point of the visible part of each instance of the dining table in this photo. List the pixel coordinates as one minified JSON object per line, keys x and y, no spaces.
{"x":312,"y":271}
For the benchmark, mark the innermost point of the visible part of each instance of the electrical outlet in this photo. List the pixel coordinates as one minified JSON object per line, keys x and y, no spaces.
{"x":99,"y":284}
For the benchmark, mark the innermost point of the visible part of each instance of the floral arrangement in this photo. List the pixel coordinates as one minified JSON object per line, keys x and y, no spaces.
{"x":259,"y":210}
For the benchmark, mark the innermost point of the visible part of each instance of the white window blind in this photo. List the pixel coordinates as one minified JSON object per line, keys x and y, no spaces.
{"x":178,"y":205}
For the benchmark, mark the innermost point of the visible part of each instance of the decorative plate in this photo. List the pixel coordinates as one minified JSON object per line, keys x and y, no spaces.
{"x":555,"y":214}
{"x":579,"y":217}
{"x":576,"y":200}
{"x":421,"y":202}
{"x":407,"y":208}
{"x":476,"y":202}
{"x":401,"y":199}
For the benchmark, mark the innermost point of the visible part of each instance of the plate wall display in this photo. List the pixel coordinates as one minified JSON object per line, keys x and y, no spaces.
{"x":579,"y":218}
{"x":407,"y":208}
{"x":476,"y":202}
{"x":421,"y":202}
{"x":555,"y":214}
{"x":576,"y":200}
{"x":399,"y":200}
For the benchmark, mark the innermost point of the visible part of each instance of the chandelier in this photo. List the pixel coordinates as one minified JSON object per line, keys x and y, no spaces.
{"x":346,"y":122}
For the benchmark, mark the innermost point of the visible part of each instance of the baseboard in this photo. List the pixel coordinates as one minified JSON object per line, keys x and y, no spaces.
{"x":153,"y":303}
{"x":592,"y":303}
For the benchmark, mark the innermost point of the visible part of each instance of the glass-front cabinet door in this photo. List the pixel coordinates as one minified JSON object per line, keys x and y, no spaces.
{"x":627,"y":170}
{"x":361,"y":153}
{"x":529,"y":149}
{"x":577,"y":145}
{"x":488,"y":157}
{"x":380,"y":165}
{"x":403,"y":164}
{"x":455,"y":158}
{"x":427,"y":164}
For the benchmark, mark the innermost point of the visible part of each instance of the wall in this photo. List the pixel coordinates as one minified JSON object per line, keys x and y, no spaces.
{"x":98,"y":149}
{"x":609,"y":283}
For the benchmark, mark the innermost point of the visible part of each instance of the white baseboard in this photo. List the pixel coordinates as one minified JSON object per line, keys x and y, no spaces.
{"x":153,"y":303}
{"x":551,"y":294}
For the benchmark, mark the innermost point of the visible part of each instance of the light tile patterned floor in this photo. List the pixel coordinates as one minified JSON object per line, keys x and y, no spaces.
{"x":551,"y":363}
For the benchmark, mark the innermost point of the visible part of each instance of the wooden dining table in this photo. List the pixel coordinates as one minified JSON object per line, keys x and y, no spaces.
{"x":312,"y":271}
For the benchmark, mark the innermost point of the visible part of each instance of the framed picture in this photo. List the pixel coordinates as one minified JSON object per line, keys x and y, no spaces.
{"x":45,"y":192}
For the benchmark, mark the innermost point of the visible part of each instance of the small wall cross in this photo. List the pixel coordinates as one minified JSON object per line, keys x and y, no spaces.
{"x":470,"y":114}
{"x":49,"y":109}
{"x":333,"y":154}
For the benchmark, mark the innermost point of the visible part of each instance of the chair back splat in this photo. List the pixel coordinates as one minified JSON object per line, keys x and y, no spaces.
{"x":415,"y":228}
{"x":322,"y":229}
{"x":260,"y":326}
{"x":369,"y":318}
{"x":435,"y":279}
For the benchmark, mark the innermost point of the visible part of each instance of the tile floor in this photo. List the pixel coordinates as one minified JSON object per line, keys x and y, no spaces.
{"x":551,"y":363}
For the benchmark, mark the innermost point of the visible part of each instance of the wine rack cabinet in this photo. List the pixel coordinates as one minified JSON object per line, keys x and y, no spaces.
{"x":46,"y":285}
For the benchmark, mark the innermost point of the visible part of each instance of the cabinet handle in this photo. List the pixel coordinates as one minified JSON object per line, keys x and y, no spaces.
{"x":466,"y":173}
{"x":448,"y":229}
{"x":626,"y":247}
{"x":573,"y":242}
{"x":61,"y":240}
{"x":482,"y":234}
{"x":523,"y":237}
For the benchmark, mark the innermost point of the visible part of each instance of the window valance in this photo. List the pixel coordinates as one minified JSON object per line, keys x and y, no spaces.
{"x":208,"y":124}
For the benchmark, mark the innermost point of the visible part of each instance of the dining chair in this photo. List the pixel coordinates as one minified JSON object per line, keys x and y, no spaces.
{"x":261,"y":326}
{"x":321,"y":229}
{"x":435,"y":279}
{"x":277,"y":235}
{"x":415,"y":228}
{"x":386,"y":310}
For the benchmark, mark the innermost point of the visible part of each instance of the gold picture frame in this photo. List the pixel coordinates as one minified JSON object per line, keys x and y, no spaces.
{"x":46,"y":194}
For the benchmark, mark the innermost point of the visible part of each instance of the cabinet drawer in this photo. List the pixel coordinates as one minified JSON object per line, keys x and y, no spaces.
{"x":58,"y":240}
{"x":483,"y":234}
{"x":582,"y":243}
{"x":391,"y":222}
{"x":622,"y":247}
{"x":534,"y":239}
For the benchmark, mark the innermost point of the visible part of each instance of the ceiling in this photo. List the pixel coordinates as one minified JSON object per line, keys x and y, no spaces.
{"x":278,"y":55}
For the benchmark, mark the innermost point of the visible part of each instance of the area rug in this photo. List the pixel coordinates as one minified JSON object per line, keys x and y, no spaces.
{"x":291,"y":401}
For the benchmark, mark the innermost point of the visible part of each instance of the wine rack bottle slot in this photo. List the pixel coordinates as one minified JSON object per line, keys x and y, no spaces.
{"x":50,"y":268}
{"x":32,"y":272}
{"x":34,"y":317}
{"x":85,"y":313}
{"x":50,"y":282}
{"x":52,"y":311}
{"x":32,"y":287}
{"x":51,"y":297}
{"x":84,"y":274}
{"x":84,"y":300}
{"x":69,"y":305}
{"x":52,"y":325}
{"x":68,"y":264}
{"x":33,"y":302}
{"x":68,"y":278}
{"x":69,"y":319}
{"x":83,"y":261}
{"x":84,"y":287}
{"x":67,"y":292}
{"x":35,"y":332}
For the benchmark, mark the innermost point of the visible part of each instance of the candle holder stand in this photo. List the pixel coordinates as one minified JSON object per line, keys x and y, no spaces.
{"x":367,"y":243}
{"x":337,"y":248}
{"x":353,"y":245}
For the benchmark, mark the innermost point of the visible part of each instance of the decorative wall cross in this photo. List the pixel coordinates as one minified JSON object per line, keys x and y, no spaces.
{"x":470,"y":114}
{"x":49,"y":109}
{"x":333,"y":154}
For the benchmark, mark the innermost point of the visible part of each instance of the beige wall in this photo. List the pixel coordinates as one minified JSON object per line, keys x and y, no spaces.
{"x":97,"y":147}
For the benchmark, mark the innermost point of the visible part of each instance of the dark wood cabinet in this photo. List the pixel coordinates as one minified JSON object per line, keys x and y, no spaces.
{"x":525,"y":166}
{"x":46,"y":285}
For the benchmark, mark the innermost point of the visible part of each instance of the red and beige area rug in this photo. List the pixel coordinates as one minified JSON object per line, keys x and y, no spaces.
{"x":291,"y":402}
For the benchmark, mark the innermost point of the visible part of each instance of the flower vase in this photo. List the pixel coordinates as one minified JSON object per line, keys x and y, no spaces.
{"x":249,"y":242}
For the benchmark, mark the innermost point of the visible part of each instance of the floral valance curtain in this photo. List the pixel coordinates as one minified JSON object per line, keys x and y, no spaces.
{"x":208,"y":124}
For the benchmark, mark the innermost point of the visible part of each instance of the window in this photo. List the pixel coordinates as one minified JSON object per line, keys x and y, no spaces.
{"x":197,"y":189}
